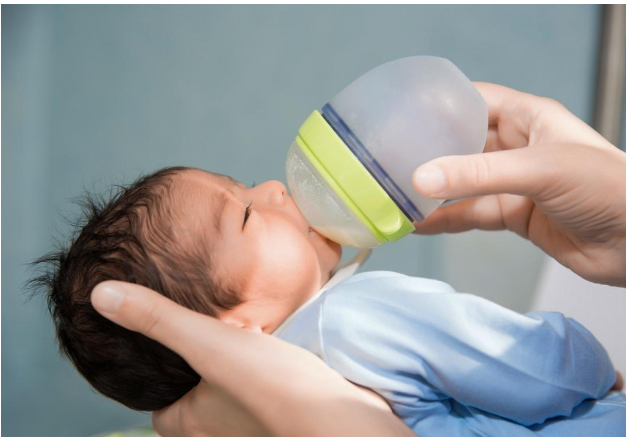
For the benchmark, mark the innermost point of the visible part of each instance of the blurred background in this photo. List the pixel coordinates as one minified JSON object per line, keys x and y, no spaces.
{"x":96,"y":95}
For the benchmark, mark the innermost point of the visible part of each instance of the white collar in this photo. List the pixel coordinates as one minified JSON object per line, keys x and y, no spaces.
{"x":341,"y":273}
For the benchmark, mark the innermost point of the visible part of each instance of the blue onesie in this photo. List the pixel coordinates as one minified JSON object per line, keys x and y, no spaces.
{"x":454,"y":364}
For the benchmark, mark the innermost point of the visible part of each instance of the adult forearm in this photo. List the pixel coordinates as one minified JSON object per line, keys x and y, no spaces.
{"x":296,"y":393}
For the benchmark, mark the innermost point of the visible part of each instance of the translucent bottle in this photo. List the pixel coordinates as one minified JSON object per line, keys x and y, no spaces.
{"x":350,"y":167}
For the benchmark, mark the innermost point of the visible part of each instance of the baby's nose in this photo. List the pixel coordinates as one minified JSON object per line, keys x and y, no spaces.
{"x":277,"y":192}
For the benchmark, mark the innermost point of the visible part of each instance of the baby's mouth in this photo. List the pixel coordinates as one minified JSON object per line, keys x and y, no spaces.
{"x":311,"y":231}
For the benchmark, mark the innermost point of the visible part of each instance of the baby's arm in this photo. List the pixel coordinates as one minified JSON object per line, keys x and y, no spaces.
{"x":552,"y":365}
{"x":527,"y":368}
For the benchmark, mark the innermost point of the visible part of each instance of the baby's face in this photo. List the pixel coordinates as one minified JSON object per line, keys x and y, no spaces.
{"x":267,"y":253}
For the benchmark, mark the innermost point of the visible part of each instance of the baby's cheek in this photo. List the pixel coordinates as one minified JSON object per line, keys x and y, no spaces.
{"x":292,"y":258}
{"x":292,"y":251}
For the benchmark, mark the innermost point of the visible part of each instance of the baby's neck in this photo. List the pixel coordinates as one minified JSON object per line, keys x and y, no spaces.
{"x":324,"y":280}
{"x":307,"y":299}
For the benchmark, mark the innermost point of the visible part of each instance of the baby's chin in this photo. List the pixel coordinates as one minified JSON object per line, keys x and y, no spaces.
{"x":329,"y":242}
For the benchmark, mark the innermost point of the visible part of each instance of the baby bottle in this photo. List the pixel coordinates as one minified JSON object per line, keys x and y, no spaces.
{"x":350,"y":168}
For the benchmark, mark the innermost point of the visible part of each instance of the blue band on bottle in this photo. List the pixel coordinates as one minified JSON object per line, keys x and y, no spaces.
{"x":371,"y":164}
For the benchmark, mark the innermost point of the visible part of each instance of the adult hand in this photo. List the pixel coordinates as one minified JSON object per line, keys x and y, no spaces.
{"x":565,"y":192}
{"x":252,"y":383}
{"x":619,"y":382}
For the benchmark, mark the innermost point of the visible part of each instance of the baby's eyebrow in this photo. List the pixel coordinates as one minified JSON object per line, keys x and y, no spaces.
{"x":228,"y":178}
{"x":235,"y":182}
{"x":219,"y":205}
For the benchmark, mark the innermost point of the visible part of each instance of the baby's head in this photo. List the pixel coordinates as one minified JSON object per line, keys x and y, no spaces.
{"x":243,"y":255}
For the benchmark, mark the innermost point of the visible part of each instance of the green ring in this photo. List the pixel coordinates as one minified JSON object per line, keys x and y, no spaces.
{"x":351,"y":181}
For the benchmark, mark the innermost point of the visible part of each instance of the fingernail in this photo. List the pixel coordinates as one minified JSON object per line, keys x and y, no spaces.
{"x":108,"y":296}
{"x":430,"y":178}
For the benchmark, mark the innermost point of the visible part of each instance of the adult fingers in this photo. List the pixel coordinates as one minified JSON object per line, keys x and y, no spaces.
{"x":525,"y":171}
{"x":523,"y":118}
{"x":140,"y":309}
{"x":502,"y":101}
{"x":207,"y":410}
{"x":482,"y":213}
{"x":194,"y":336}
{"x":619,"y":382}
{"x":509,"y":116}
{"x":168,"y":421}
{"x":493,"y":141}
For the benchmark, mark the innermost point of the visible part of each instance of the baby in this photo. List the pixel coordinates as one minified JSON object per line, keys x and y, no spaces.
{"x":446,"y":363}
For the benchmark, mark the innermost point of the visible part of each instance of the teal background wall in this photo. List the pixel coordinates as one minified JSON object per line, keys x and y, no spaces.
{"x":95,"y":95}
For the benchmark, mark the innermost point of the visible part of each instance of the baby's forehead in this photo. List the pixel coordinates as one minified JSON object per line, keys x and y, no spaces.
{"x":199,"y":193}
{"x":196,"y":185}
{"x":203,"y":178}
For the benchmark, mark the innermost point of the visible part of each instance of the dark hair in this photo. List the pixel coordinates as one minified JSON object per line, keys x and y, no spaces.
{"x":129,"y":238}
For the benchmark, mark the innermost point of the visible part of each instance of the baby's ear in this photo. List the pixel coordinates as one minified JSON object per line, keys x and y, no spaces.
{"x":231,"y":320}
{"x":236,"y":322}
{"x":253,"y":328}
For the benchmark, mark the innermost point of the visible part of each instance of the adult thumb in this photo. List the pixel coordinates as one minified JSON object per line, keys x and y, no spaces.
{"x":526,"y":171}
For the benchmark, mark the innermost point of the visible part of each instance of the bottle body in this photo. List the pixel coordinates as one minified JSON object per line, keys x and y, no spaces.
{"x":393,"y":119}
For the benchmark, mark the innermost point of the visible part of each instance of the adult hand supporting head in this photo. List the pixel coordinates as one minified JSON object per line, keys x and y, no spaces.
{"x":252,"y":383}
{"x":565,"y":192}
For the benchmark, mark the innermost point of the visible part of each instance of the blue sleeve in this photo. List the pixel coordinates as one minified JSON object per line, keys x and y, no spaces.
{"x":417,"y":342}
